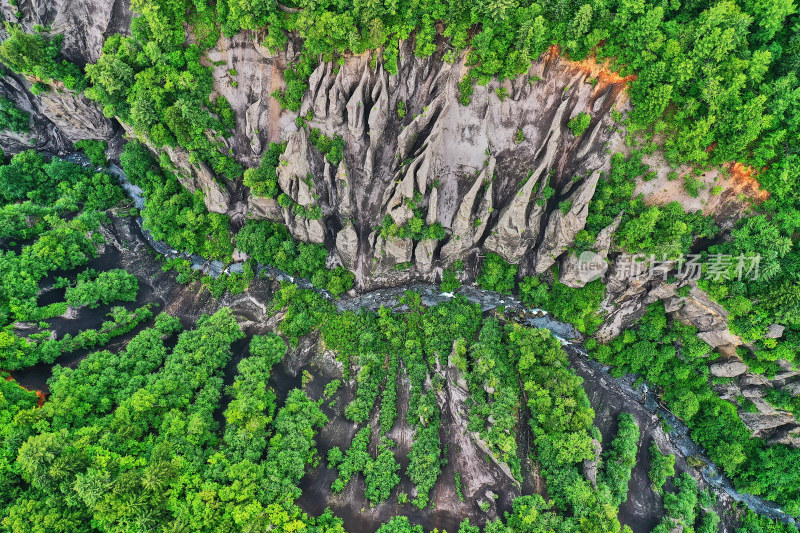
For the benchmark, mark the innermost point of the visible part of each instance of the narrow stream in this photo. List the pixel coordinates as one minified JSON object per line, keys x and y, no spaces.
{"x":515,"y":309}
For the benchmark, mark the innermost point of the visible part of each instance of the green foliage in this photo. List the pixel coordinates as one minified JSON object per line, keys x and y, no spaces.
{"x":64,"y":246}
{"x":16,"y":353}
{"x":38,"y":56}
{"x":415,"y":229}
{"x":424,"y":459}
{"x":24,"y":220}
{"x":660,"y":230}
{"x":63,"y":185}
{"x":354,"y":461}
{"x":94,"y":150}
{"x":399,"y":524}
{"x":13,"y":118}
{"x":755,"y":304}
{"x":692,"y":185}
{"x":381,"y":474}
{"x":25,"y":177}
{"x":450,"y":282}
{"x":263,"y":180}
{"x":332,"y":149}
{"x":155,"y":82}
{"x":670,"y":357}
{"x":497,"y":275}
{"x":680,"y":509}
{"x":171,"y":213}
{"x":494,"y":390}
{"x":94,"y":288}
{"x":578,"y":124}
{"x":561,"y":422}
{"x":388,"y":415}
{"x":252,"y":406}
{"x":783,"y":399}
{"x":620,"y":459}
{"x":292,"y":446}
{"x":271,"y":243}
{"x":366,"y":340}
{"x":754,"y":523}
{"x":457,"y":481}
{"x":305,"y":310}
{"x":580,"y":307}
{"x":401,"y":109}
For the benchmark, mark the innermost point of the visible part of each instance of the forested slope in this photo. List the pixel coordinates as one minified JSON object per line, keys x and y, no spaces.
{"x":369,"y":144}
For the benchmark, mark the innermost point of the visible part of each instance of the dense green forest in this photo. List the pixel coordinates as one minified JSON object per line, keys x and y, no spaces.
{"x":149,"y":438}
{"x":129,"y":438}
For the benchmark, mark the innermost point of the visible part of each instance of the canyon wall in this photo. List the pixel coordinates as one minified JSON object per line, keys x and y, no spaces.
{"x":504,"y":174}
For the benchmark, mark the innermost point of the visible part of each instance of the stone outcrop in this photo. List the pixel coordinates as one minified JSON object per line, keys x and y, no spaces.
{"x":504,"y":174}
{"x":563,"y":226}
{"x":480,"y":171}
{"x":569,"y":267}
{"x":74,"y":114}
{"x":58,"y":118}
{"x":194,"y":176}
{"x":347,"y":245}
{"x":85,"y":24}
{"x":263,"y":208}
{"x":710,"y":318}
{"x":246,"y":73}
{"x":728,"y":369}
{"x":61,"y":117}
{"x":590,"y":466}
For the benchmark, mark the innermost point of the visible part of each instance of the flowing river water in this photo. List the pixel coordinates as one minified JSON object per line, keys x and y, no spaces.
{"x":639,"y":392}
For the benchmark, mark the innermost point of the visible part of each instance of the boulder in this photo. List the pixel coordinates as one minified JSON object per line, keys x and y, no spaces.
{"x":775,"y":331}
{"x":347,"y":246}
{"x":197,"y":176}
{"x":423,"y":254}
{"x":263,"y":208}
{"x":728,"y":369}
{"x":590,"y":465}
{"x":710,"y":318}
{"x":757,"y":422}
{"x":793,"y":388}
{"x":470,"y":221}
{"x":569,"y":269}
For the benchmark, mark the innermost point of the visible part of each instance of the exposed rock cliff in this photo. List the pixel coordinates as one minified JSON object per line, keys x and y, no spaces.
{"x":61,"y":117}
{"x":85,"y":24}
{"x":504,"y":174}
{"x":478,"y":170}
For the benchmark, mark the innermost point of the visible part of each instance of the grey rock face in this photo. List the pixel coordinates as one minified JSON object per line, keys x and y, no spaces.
{"x":58,"y":118}
{"x":263,"y":208}
{"x":347,"y":245}
{"x":568,"y":270}
{"x":590,"y":466}
{"x":728,"y":369}
{"x":758,"y":422}
{"x":85,"y":24}
{"x":478,"y":170}
{"x":246,"y":73}
{"x":710,"y":318}
{"x":61,"y":117}
{"x":193,"y":176}
{"x":74,"y":114}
